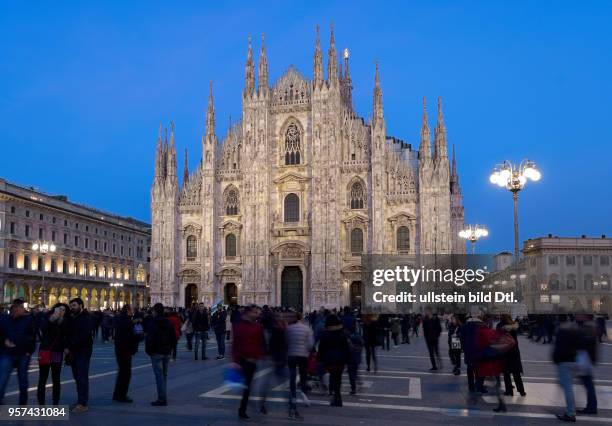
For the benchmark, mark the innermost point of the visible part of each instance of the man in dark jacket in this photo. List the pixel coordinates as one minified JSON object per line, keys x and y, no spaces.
{"x":79,"y":349}
{"x":201,"y":325}
{"x":126,"y":346}
{"x":431,"y":332}
{"x":471,"y":355}
{"x":218,"y":324}
{"x":567,"y":343}
{"x":16,"y":346}
{"x":159,"y":342}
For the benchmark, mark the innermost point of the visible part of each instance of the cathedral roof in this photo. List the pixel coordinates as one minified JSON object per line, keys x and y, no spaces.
{"x":291,"y":88}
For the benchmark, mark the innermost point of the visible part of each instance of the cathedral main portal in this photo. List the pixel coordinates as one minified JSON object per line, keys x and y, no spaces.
{"x":292,"y":288}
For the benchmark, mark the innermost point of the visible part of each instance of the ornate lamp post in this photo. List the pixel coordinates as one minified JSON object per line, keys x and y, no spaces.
{"x":473,"y":233}
{"x":43,"y":247}
{"x":514,"y":178}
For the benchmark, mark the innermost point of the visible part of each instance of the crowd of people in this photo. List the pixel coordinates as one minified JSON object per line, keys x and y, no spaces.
{"x":316,"y":348}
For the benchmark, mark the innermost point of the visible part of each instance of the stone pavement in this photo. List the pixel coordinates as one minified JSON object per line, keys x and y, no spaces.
{"x":402,"y":391}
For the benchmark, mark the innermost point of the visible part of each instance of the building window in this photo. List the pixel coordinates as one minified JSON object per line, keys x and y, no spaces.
{"x":65,"y":267}
{"x":230,"y":245}
{"x":86,"y":228}
{"x":13,"y":209}
{"x":357,"y":196}
{"x":403,"y":239}
{"x":41,"y":217}
{"x":65,"y":222}
{"x":40,"y":233}
{"x":129,"y":251}
{"x":11,"y":263}
{"x":192,"y":247}
{"x":553,"y":282}
{"x":53,"y":236}
{"x":27,"y":265}
{"x":356,"y":241}
{"x":27,"y":231}
{"x":587,"y":260}
{"x":231,"y":202}
{"x":76,"y":241}
{"x":13,"y":228}
{"x":292,"y":145}
{"x":75,"y":268}
{"x":571,"y":282}
{"x":292,"y":208}
{"x":114,"y":249}
{"x":121,"y":250}
{"x":105,"y":247}
{"x":53,"y":265}
{"x":604,"y":260}
{"x":96,"y":245}
{"x":40,"y":264}
{"x":76,"y":226}
{"x":27,"y":213}
{"x":553,"y":260}
{"x":65,"y":238}
{"x":570,"y":260}
{"x":86,"y":242}
{"x":95,"y":270}
{"x":54,"y":220}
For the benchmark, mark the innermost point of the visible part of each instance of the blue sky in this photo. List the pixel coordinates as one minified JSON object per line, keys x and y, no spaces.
{"x":84,"y":87}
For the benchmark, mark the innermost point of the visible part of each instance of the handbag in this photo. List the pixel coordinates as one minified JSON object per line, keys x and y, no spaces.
{"x":44,"y":357}
{"x":455,"y":342}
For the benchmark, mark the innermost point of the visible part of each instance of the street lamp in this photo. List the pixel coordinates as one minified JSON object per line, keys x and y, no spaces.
{"x":43,"y":247}
{"x":514,"y":178}
{"x":473,"y":233}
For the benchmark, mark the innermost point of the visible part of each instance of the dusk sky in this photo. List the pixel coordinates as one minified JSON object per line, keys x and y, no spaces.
{"x":84,"y":87}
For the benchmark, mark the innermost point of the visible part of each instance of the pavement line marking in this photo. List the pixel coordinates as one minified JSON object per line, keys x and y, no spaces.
{"x":371,"y":374}
{"x":426,"y":357}
{"x":93,"y":376}
{"x":452,"y":412}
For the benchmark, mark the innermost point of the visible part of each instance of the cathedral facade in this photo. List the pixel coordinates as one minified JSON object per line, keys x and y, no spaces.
{"x":281,"y":210}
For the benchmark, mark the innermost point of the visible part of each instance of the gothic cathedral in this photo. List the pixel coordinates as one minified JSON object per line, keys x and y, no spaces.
{"x":281,"y":210}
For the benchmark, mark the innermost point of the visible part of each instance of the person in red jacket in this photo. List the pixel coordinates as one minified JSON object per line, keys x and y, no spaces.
{"x":176,"y":324}
{"x":490,"y":347}
{"x":248,"y":347}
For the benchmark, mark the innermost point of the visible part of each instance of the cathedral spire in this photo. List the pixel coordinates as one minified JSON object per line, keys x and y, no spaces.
{"x":186,"y":169}
{"x":440,"y":148}
{"x":159,"y":166}
{"x":263,"y":66}
{"x":348,"y":84}
{"x":332,"y":60}
{"x":210,"y":113}
{"x":171,"y":160}
{"x":318,"y":62}
{"x":378,"y":116}
{"x":425,"y":148}
{"x":454,"y":175}
{"x":249,"y":72}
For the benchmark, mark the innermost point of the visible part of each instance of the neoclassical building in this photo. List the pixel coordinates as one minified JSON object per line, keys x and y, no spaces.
{"x":281,"y":210}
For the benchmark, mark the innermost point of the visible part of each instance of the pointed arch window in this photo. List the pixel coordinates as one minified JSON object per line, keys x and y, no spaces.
{"x":357,"y":196}
{"x":292,"y":208}
{"x":356,"y":241}
{"x":231,"y":202}
{"x":230,"y":245}
{"x":293,"y":146}
{"x":403,"y":239}
{"x":192,"y":247}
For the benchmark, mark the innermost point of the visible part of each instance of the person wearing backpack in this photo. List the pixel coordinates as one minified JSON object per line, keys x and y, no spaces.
{"x":159,"y":342}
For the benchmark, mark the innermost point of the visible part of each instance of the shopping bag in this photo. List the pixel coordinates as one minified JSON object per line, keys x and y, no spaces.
{"x":233,"y":377}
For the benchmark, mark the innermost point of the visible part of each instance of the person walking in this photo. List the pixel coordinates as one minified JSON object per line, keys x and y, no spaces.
{"x":334,"y":353}
{"x":247,"y":350}
{"x":471,"y":355}
{"x":431,"y":333}
{"x":370,"y":340}
{"x":454,"y":344}
{"x":512,"y":359}
{"x":218,"y":322}
{"x":175,"y":320}
{"x":396,"y":329}
{"x":201,"y":326}
{"x":18,"y":341}
{"x":79,"y":349}
{"x":567,"y":343}
{"x":126,"y":346}
{"x":53,"y":331}
{"x":159,"y":341}
{"x":356,"y":348}
{"x":300,"y":342}
{"x":586,"y":358}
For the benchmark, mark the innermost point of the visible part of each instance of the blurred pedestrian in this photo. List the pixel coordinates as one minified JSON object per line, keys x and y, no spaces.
{"x":431,"y":333}
{"x":126,"y":346}
{"x":201,"y":326}
{"x":370,"y":340}
{"x":218,"y":323}
{"x":567,"y":343}
{"x":300,"y":342}
{"x":334,"y":353}
{"x":512,"y":359}
{"x":247,"y":350}
{"x":454,"y":344}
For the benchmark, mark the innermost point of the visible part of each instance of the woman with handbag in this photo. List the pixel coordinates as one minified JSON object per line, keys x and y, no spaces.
{"x":454,"y":344}
{"x":51,"y":351}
